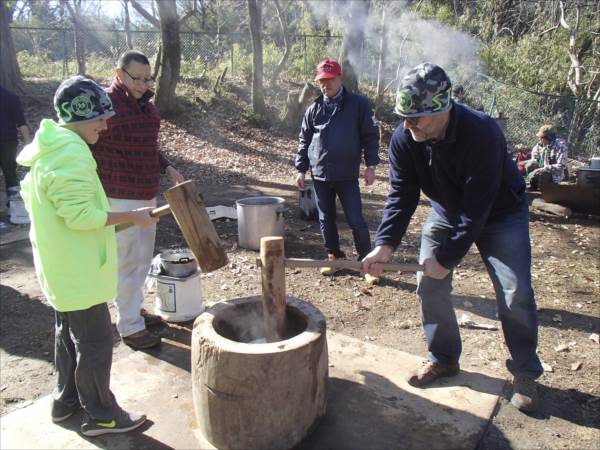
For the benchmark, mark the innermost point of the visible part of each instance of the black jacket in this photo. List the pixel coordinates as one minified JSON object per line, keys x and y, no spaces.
{"x":333,"y":143}
{"x":468,"y":176}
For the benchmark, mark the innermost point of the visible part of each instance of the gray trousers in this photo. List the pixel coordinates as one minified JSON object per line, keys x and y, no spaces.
{"x":83,"y":358}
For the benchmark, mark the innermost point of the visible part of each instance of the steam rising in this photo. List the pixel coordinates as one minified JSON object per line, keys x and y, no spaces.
{"x":411,"y":40}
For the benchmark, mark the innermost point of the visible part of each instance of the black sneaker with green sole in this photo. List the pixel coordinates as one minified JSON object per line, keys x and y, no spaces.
{"x":122,"y":424}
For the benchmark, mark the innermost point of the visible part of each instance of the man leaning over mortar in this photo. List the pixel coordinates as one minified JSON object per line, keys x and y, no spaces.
{"x":129,"y":165}
{"x":458,"y":158}
{"x":336,"y":130}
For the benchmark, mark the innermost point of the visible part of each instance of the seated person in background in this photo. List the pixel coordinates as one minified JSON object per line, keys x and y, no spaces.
{"x":551,"y":155}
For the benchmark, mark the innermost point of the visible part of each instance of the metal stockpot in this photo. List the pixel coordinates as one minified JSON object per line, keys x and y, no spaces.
{"x":258,"y":217}
{"x":178,"y":263}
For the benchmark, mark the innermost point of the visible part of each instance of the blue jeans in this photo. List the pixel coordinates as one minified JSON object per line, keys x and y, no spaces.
{"x":506,"y":251}
{"x":349,"y":195}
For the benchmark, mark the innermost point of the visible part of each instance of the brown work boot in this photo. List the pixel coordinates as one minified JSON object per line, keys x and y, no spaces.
{"x":329,"y":271}
{"x":431,"y":372}
{"x":525,"y":394}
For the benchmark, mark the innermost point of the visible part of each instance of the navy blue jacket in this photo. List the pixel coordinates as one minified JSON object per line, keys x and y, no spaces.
{"x":468,"y":176}
{"x":11,"y":116}
{"x":333,"y":143}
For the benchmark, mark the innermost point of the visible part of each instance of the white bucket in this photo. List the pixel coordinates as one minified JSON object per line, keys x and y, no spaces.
{"x":307,"y":200}
{"x":178,"y":299}
{"x":18,"y":213}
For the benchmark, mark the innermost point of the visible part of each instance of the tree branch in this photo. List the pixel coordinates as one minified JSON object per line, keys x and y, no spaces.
{"x":574,"y":77}
{"x":145,"y":14}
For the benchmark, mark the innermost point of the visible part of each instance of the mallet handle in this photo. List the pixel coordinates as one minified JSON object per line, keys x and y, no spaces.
{"x":157,"y":212}
{"x":354,"y":265}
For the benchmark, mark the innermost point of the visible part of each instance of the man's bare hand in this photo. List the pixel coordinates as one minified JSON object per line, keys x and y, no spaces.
{"x":142,"y":218}
{"x":372,"y":262}
{"x":174,"y":176}
{"x":434,"y":269}
{"x":369,"y":176}
{"x":300,"y":181}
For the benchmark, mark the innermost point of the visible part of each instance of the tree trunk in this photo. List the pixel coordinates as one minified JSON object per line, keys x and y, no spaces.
{"x":10,"y":74}
{"x":258,"y":95}
{"x":170,"y":58}
{"x":381,"y":65}
{"x":79,"y":49}
{"x":354,"y":36}
{"x":286,"y":42}
{"x":128,"y":40}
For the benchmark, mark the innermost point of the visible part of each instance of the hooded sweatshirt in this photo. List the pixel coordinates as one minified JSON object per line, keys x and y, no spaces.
{"x":74,"y":252}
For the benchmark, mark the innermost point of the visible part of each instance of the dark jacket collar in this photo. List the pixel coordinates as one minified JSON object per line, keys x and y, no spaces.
{"x":450,"y":136}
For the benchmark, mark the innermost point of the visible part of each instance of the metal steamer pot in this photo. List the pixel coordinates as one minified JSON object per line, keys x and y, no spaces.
{"x":259,"y":217}
{"x":178,"y":263}
{"x":588,"y":177}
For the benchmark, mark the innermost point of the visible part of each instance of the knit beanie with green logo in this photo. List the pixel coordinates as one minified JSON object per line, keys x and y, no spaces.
{"x":80,"y":100}
{"x":426,"y":90}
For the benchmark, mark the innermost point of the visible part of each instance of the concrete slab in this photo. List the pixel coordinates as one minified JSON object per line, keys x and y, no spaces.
{"x":370,"y":406}
{"x":12,"y":233}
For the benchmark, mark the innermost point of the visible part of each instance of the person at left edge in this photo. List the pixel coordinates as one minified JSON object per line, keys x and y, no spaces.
{"x":129,"y":165}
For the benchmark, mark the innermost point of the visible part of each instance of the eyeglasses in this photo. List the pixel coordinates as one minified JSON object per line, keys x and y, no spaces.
{"x":139,"y":80}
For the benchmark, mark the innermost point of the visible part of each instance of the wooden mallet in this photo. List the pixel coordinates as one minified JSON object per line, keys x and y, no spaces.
{"x":187,"y":206}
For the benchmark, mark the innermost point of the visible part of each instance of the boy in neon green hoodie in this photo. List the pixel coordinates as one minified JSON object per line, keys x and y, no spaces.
{"x":74,"y":249}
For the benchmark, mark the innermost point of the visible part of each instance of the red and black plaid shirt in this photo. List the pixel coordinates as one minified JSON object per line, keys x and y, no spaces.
{"x":127,"y":154}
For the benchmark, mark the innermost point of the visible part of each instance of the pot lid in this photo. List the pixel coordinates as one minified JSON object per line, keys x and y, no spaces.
{"x":177,"y":255}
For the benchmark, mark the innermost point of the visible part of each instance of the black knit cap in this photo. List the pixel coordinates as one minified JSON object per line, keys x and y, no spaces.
{"x":80,"y":100}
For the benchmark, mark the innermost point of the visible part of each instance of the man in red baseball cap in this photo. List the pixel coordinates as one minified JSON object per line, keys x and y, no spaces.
{"x":338,"y":130}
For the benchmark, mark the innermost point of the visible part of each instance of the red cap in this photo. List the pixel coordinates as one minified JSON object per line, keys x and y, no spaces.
{"x":328,"y":68}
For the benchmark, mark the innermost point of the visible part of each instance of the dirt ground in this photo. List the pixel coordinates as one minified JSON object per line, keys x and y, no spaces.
{"x":230,"y":159}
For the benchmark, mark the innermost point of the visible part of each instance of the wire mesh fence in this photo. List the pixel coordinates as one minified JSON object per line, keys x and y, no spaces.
{"x":50,"y":53}
{"x":522,"y":113}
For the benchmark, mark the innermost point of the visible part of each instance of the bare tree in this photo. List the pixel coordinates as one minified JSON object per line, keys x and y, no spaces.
{"x":354,"y":36}
{"x":382,"y":59}
{"x":128,"y":40}
{"x":286,"y":42}
{"x":170,"y":58}
{"x":80,"y":53}
{"x":10,"y":74}
{"x":586,"y":100}
{"x":258,"y":95}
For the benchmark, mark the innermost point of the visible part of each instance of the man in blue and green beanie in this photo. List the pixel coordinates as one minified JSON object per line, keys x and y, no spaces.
{"x":457,"y":157}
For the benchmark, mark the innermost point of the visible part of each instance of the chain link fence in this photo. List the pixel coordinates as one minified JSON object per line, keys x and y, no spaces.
{"x":50,"y":53}
{"x":522,"y":113}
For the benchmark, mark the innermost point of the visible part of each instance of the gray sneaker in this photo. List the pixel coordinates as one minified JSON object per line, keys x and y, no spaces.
{"x":61,"y":411}
{"x":123,"y":423}
{"x":525,"y":394}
